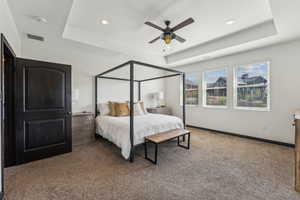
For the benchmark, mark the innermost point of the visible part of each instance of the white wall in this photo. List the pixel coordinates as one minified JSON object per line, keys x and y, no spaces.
{"x":111,"y":90}
{"x":86,"y":62}
{"x":8,"y":27}
{"x":285,"y":95}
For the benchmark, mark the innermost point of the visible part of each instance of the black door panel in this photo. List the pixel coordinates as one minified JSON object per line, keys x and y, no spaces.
{"x":43,"y":97}
{"x":44,"y":133}
{"x":39,"y":78}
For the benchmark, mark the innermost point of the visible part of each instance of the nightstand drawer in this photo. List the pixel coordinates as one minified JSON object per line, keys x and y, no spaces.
{"x":162,"y":110}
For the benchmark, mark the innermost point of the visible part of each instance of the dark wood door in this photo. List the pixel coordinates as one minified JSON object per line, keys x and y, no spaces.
{"x":43,"y":109}
{"x":8,"y":101}
{"x":1,"y":115}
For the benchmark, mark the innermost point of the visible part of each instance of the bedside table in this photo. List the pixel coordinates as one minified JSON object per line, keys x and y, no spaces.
{"x":83,"y":128}
{"x":160,"y":110}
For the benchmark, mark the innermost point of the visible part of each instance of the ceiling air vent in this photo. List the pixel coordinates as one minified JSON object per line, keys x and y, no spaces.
{"x":35,"y":37}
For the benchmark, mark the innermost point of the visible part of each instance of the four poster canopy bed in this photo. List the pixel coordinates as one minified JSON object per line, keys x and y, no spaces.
{"x":128,"y":131}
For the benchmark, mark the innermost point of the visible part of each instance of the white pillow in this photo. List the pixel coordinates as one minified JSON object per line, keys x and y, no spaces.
{"x":138,"y":109}
{"x":103,"y":109}
{"x":144,"y":109}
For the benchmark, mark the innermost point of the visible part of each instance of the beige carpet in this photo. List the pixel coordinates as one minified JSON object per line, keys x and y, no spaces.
{"x":217,"y":167}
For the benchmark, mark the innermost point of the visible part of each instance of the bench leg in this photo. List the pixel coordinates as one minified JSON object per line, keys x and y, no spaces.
{"x":155,"y":153}
{"x":146,"y":152}
{"x":156,"y":149}
{"x":188,"y":142}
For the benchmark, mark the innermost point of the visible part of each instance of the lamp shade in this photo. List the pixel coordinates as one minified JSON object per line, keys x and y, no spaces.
{"x":160,"y":95}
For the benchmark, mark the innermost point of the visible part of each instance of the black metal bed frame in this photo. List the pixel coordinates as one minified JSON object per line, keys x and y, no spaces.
{"x":131,"y":64}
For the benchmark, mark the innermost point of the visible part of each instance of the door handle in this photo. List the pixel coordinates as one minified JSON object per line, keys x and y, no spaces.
{"x":69,"y":113}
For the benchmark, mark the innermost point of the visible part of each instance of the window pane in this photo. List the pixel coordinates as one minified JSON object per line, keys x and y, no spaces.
{"x":216,"y":78}
{"x":215,"y":87}
{"x":192,"y":97}
{"x":252,"y":74}
{"x":192,"y":89}
{"x":252,"y":86}
{"x":216,"y":97}
{"x":252,"y":97}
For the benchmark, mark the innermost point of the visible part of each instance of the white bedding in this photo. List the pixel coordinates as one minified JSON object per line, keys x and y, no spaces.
{"x":116,"y":129}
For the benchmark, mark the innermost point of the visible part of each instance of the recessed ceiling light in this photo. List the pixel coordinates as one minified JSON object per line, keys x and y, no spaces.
{"x":103,"y":21}
{"x":229,"y":22}
{"x":39,"y":19}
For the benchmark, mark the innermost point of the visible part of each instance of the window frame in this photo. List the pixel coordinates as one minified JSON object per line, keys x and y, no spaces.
{"x":204,"y":89}
{"x":235,"y":87}
{"x":199,"y":89}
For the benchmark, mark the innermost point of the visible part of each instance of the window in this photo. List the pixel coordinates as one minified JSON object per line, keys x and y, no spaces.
{"x":215,"y":88}
{"x":252,"y":87}
{"x":192,"y":89}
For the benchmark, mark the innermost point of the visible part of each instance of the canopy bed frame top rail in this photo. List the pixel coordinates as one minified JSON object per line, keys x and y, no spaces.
{"x":131,"y":80}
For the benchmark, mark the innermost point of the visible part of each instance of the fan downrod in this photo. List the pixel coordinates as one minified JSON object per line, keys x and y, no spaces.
{"x":167,"y":22}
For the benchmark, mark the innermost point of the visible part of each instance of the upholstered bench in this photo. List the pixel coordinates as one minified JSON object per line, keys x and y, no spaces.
{"x":164,"y":137}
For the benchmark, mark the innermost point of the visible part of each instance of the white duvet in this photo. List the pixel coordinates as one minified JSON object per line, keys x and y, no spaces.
{"x":116,"y":129}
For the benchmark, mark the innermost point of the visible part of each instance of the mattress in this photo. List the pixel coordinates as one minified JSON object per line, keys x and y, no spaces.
{"x":116,"y":129}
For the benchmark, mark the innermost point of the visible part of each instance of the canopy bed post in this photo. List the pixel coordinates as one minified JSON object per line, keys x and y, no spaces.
{"x":183,"y":98}
{"x":139,"y":90}
{"x":131,"y":111}
{"x":96,"y":96}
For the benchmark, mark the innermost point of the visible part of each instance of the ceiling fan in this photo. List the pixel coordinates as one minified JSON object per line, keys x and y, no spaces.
{"x":168,"y":33}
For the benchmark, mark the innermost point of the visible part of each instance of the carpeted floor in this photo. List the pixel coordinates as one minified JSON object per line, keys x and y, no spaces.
{"x":217,"y":167}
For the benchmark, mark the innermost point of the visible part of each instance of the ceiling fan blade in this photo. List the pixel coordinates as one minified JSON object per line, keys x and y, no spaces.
{"x":154,"y":40}
{"x":154,"y":26}
{"x":183,"y":24}
{"x":179,"y":39}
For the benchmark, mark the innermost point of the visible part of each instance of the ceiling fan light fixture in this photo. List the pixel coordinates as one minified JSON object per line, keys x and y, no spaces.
{"x":168,"y":33}
{"x":168,"y":38}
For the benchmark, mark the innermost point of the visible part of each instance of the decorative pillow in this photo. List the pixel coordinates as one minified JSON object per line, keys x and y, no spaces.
{"x":121,"y":109}
{"x":143,"y":107}
{"x":103,"y":108}
{"x":112,"y":108}
{"x":138,"y":109}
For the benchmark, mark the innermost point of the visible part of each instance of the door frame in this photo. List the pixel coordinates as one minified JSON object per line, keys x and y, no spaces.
{"x":4,"y":46}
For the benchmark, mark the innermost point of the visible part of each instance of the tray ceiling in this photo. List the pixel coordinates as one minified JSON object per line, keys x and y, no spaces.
{"x":127,"y":32}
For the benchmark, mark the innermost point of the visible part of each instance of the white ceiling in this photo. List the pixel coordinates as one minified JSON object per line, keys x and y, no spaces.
{"x":286,"y":17}
{"x":55,"y":11}
{"x":79,"y":21}
{"x":127,"y":31}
